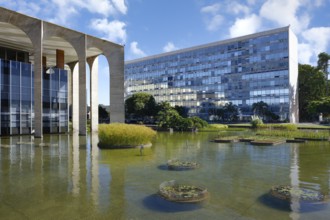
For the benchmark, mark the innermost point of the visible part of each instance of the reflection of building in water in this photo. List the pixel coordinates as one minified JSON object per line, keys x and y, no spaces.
{"x":294,"y":178}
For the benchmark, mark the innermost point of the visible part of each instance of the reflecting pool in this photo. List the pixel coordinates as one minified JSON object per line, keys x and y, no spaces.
{"x":69,"y":177}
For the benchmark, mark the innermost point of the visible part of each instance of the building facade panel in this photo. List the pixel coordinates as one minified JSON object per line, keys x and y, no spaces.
{"x":242,"y":70}
{"x":17,"y":99}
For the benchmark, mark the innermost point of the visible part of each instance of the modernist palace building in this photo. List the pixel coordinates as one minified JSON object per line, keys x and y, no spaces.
{"x":43,"y":73}
{"x":243,"y":70}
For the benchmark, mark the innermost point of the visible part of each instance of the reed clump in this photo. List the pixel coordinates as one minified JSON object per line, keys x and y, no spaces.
{"x":124,"y":135}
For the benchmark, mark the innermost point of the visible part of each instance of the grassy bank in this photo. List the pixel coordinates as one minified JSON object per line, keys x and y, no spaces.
{"x":124,"y":135}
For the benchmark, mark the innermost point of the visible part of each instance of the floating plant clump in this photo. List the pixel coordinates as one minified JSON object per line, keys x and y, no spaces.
{"x":172,"y":191}
{"x":181,"y":165}
{"x":287,"y":193}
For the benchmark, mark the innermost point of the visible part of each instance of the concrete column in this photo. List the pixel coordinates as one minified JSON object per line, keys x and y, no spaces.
{"x":75,"y":98}
{"x":117,"y":105}
{"x":82,"y":95}
{"x":60,"y":59}
{"x":38,"y":71}
{"x":93,"y":66}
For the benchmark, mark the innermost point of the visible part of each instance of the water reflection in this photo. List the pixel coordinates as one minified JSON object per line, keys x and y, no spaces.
{"x":68,"y":176}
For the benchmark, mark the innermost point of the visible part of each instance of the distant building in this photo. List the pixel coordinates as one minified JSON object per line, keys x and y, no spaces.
{"x":242,"y":70}
{"x":41,"y":67}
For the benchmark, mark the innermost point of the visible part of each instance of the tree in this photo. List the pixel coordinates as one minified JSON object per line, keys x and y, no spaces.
{"x":320,"y":106}
{"x":231,"y":111}
{"x":323,"y":64}
{"x":103,"y":113}
{"x":183,"y":111}
{"x":311,"y":87}
{"x":168,"y":118}
{"x":260,"y":108}
{"x":141,"y":105}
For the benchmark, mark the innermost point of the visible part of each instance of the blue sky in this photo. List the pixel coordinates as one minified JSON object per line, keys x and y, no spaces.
{"x":148,"y":27}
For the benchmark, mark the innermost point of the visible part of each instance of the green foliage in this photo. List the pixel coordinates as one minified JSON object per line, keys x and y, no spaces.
{"x":119,"y":134}
{"x":141,"y":105}
{"x":295,"y":134}
{"x":256,"y":121}
{"x":320,"y":106}
{"x":103,"y":113}
{"x":183,"y":111}
{"x":198,"y":122}
{"x":170,"y":118}
{"x":214,"y":127}
{"x":311,"y":87}
{"x":231,"y":112}
{"x":288,"y":127}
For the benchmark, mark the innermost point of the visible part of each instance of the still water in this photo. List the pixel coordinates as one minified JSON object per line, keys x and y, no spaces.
{"x":69,"y":177}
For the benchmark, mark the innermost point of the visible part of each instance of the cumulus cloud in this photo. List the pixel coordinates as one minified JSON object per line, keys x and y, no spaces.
{"x":113,"y":30}
{"x":244,"y":26}
{"x":169,"y":47}
{"x":101,"y":7}
{"x":316,"y":40}
{"x":135,"y":50}
{"x":237,"y":8}
{"x":120,"y":6}
{"x":212,"y":17}
{"x":284,"y":13}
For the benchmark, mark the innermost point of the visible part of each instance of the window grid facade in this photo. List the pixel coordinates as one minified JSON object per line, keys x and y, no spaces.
{"x":17,"y":99}
{"x":243,"y":71}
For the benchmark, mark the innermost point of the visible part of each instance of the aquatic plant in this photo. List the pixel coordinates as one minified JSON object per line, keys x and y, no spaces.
{"x":256,"y":121}
{"x":287,"y":192}
{"x":124,"y":135}
{"x":172,"y":191}
{"x":181,"y":165}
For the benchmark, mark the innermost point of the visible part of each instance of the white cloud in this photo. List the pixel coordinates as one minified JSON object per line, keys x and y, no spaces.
{"x":211,"y":9}
{"x":114,"y":30}
{"x":213,"y":19}
{"x":120,"y":5}
{"x":70,"y":8}
{"x":169,"y":47}
{"x":284,"y":12}
{"x":316,"y":40}
{"x":214,"y":23}
{"x":244,"y":26}
{"x":135,"y":50}
{"x":237,"y":8}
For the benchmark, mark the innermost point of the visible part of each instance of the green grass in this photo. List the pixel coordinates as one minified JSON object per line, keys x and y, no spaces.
{"x":214,"y":127}
{"x":124,"y":135}
{"x":288,"y":127}
{"x":295,"y":134}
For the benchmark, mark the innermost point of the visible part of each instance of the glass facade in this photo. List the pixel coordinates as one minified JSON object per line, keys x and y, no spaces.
{"x":243,"y":71}
{"x":17,"y":99}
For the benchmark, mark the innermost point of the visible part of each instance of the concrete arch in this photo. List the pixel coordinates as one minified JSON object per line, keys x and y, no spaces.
{"x":115,"y":56}
{"x":33,"y":29}
{"x":78,"y":42}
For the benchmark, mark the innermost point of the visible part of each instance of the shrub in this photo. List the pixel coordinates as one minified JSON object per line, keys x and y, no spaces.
{"x":124,"y":135}
{"x":256,"y":121}
{"x":198,"y":122}
{"x":215,"y":127}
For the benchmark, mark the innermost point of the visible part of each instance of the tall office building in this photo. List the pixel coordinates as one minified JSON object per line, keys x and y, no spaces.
{"x":242,"y":70}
